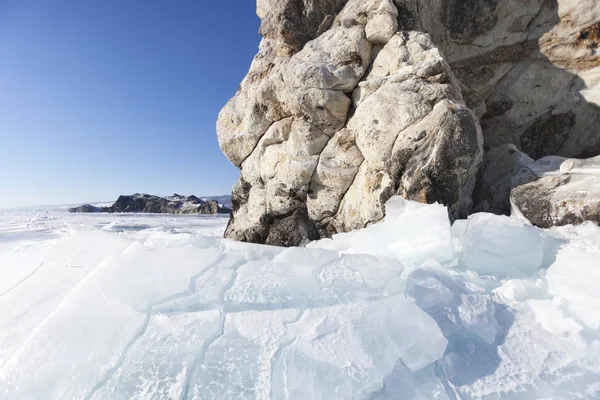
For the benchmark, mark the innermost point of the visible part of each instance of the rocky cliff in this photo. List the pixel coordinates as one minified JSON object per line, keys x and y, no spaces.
{"x":349,"y":102}
{"x":145,"y":203}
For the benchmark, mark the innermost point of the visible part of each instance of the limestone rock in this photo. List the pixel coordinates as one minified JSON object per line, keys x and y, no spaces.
{"x":559,"y":200}
{"x":571,"y":196}
{"x":337,"y":168}
{"x":531,"y":68}
{"x":349,"y":102}
{"x":330,"y":122}
{"x":296,"y":22}
{"x":382,"y":23}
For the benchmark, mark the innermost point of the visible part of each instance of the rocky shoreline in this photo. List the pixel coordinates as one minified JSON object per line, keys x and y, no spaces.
{"x":145,"y":203}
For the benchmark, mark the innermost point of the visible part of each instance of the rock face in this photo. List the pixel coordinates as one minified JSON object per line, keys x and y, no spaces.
{"x":326,"y":131}
{"x":87,"y":208}
{"x":349,"y":102}
{"x":570,"y":198}
{"x":145,"y":203}
{"x":531,"y":68}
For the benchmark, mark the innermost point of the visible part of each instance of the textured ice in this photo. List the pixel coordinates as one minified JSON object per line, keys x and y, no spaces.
{"x":574,"y":281}
{"x":502,"y":246}
{"x":411,"y":232}
{"x":150,"y":307}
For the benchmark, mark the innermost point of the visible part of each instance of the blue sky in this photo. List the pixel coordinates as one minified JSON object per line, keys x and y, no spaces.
{"x":101,"y":98}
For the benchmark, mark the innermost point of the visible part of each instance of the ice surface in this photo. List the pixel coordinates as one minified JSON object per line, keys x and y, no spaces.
{"x":411,"y":232}
{"x":574,"y":280}
{"x":153,"y":307}
{"x":501,"y":246}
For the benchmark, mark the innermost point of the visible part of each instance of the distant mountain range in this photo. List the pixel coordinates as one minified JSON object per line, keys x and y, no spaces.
{"x":175,"y":204}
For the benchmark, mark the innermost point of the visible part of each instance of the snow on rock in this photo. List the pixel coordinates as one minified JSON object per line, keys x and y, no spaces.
{"x":412,"y":308}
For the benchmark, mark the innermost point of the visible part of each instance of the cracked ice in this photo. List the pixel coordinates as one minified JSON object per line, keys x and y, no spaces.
{"x":412,"y":308}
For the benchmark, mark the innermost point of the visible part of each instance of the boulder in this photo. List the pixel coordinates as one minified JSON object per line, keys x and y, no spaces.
{"x":330,"y":129}
{"x":503,"y":169}
{"x":561,"y":199}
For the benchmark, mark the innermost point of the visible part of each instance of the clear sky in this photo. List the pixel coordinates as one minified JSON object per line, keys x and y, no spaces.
{"x":106,"y":97}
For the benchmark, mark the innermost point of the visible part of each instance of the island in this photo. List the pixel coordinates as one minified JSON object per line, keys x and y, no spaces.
{"x":146,"y":203}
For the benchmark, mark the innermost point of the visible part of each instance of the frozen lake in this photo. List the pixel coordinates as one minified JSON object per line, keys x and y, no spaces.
{"x":107,"y":306}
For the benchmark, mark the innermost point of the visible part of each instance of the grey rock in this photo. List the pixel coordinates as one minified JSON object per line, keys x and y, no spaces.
{"x":349,"y":102}
{"x":569,"y":196}
{"x":296,"y":22}
{"x":87,"y":208}
{"x":559,"y":200}
{"x":530,"y":68}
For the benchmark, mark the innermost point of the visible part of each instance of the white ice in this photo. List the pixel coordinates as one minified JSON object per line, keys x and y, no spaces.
{"x":97,"y":306}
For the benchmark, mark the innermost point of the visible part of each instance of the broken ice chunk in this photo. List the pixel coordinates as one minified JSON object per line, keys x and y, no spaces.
{"x":502,"y":246}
